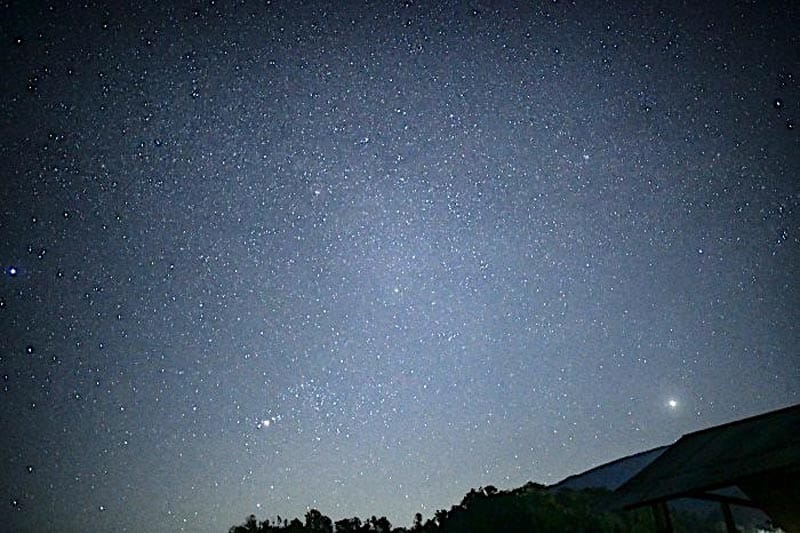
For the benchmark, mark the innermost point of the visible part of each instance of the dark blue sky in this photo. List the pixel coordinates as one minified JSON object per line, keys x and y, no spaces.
{"x":366,"y":256}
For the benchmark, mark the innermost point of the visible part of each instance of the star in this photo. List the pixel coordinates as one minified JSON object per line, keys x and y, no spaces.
{"x":672,"y":403}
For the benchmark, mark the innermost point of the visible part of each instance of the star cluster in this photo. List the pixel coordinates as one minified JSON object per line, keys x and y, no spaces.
{"x":363,"y":257}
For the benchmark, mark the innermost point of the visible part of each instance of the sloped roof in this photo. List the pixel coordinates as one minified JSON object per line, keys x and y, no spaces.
{"x":718,"y":457}
{"x":610,"y":475}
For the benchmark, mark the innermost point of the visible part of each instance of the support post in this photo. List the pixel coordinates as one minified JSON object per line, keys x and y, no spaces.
{"x":661,"y":514}
{"x":730,"y":524}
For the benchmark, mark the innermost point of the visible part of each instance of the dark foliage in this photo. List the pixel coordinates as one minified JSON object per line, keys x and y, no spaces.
{"x":486,"y":510}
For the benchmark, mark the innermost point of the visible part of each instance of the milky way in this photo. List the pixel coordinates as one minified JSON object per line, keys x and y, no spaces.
{"x":364,"y":257}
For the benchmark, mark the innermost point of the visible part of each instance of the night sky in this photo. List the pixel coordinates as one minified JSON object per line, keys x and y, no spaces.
{"x":364,"y":257}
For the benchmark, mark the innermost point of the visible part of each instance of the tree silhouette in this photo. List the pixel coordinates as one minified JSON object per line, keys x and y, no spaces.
{"x":382,"y":525}
{"x":532,"y":507}
{"x":316,"y":521}
{"x":349,"y":525}
{"x":295,"y":526}
{"x":417,"y":522}
{"x":250,"y":526}
{"x":441,"y":516}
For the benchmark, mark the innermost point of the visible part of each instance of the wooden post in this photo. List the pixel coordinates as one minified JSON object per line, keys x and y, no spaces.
{"x":730,"y":525}
{"x":661,"y":514}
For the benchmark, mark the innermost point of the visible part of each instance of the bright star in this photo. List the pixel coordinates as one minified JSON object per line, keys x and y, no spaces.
{"x":672,"y":403}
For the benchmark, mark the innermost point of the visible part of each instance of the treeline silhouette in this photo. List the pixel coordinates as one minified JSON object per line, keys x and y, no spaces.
{"x":487,"y":510}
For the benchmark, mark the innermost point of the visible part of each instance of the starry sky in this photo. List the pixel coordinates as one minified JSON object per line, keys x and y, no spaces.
{"x":365,"y":256}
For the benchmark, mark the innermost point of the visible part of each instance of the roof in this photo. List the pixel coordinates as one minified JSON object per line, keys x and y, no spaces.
{"x":612,"y":474}
{"x":718,"y":457}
